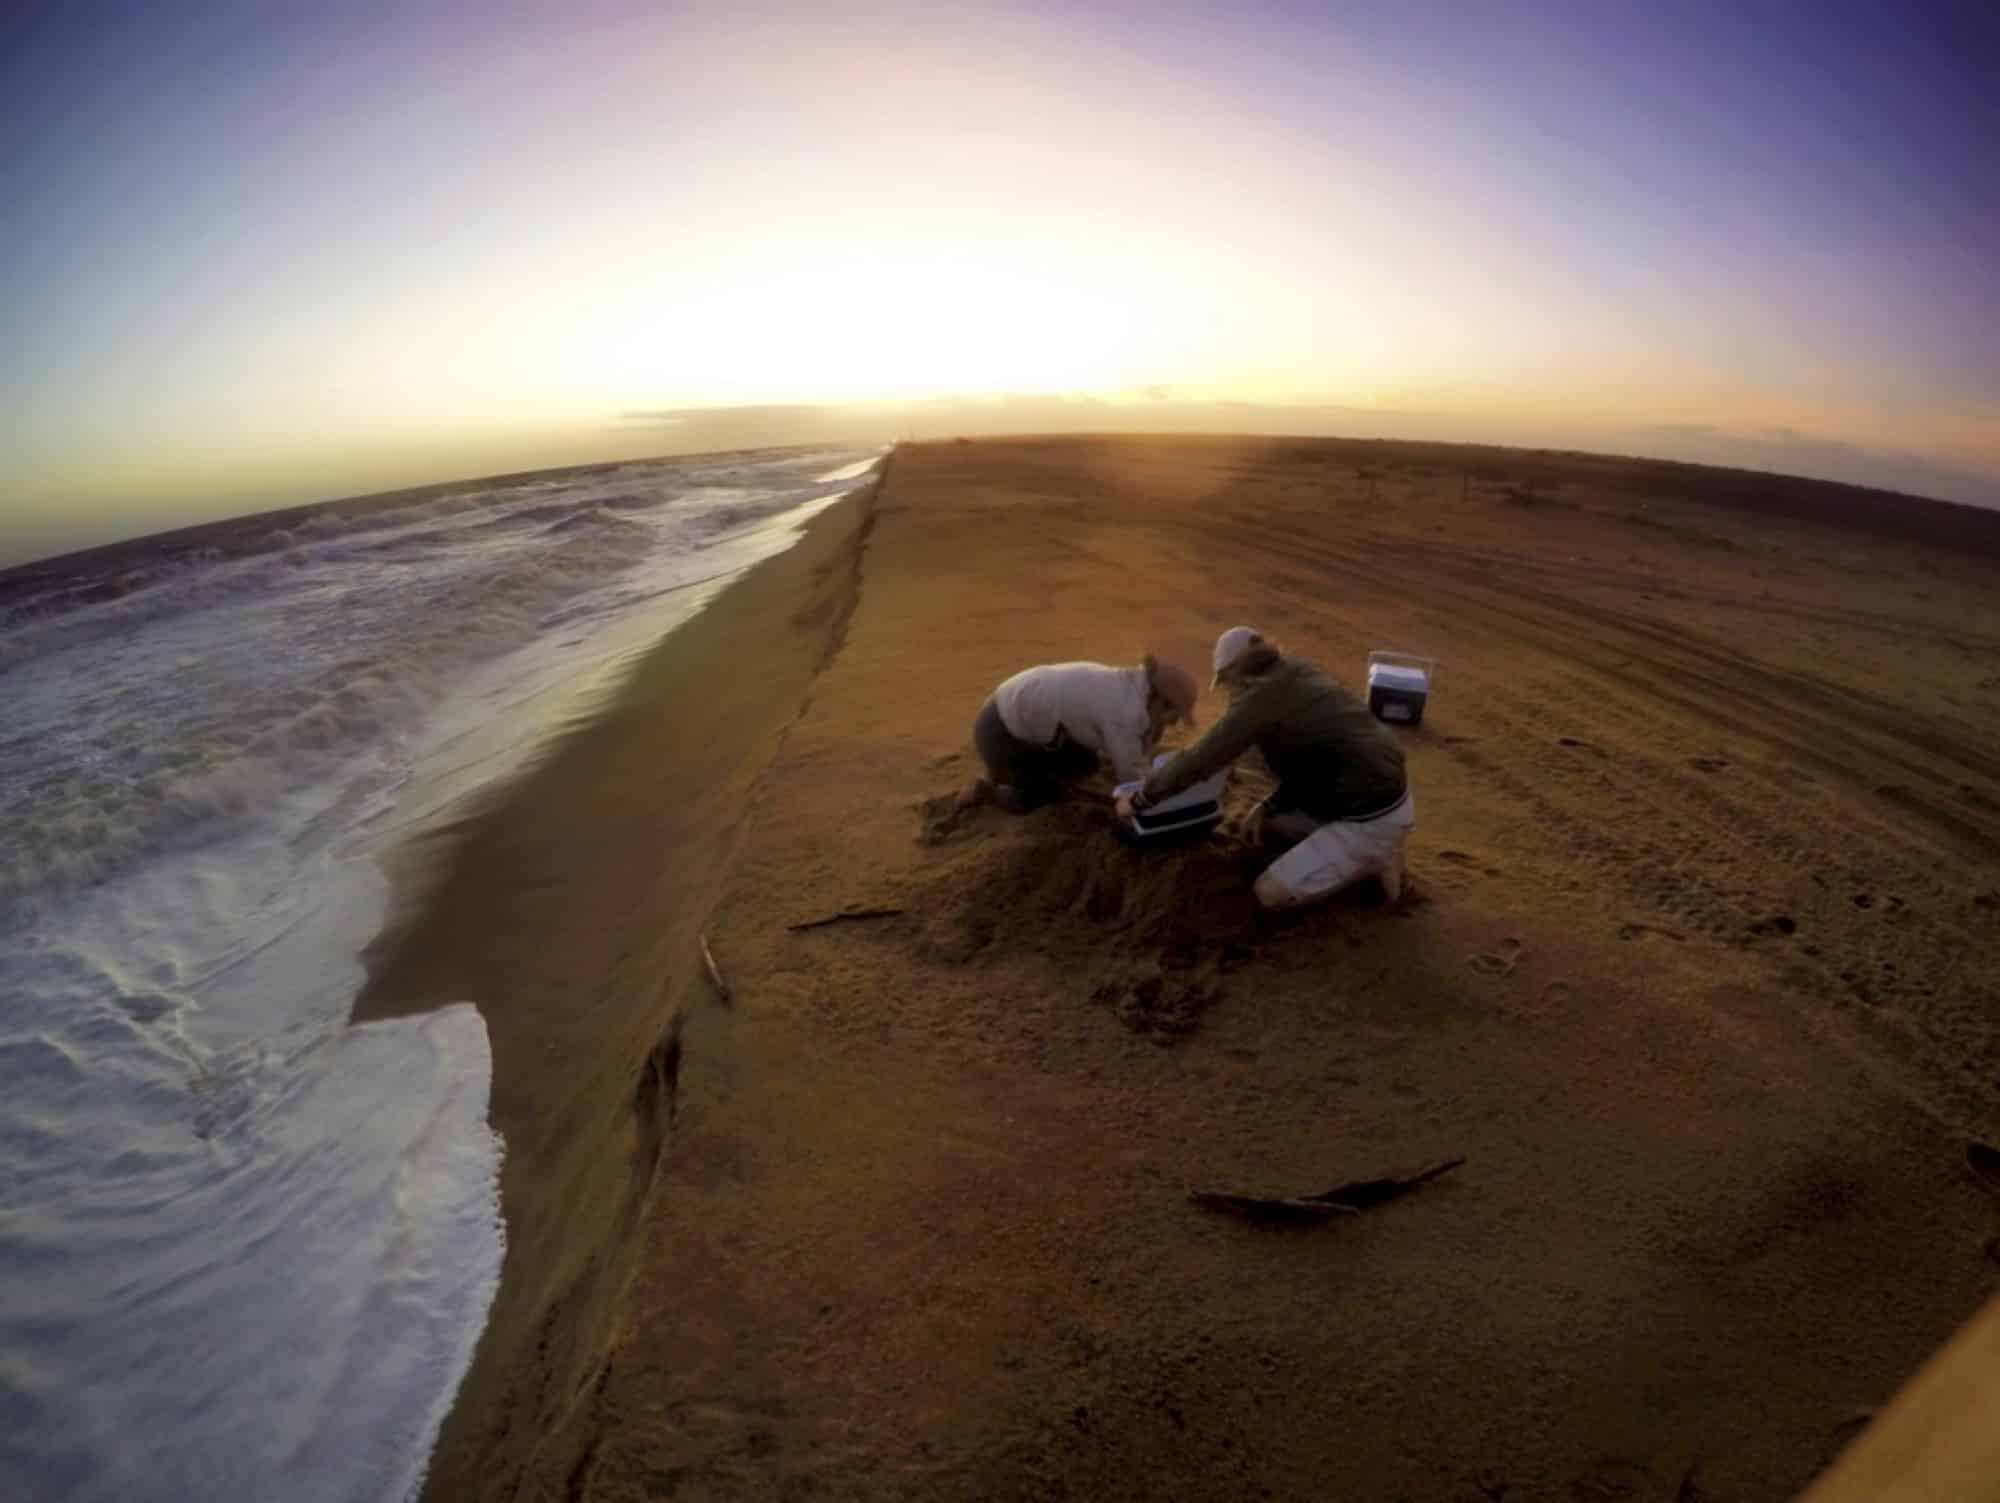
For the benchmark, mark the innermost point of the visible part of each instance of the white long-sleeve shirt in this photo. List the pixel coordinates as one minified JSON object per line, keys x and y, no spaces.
{"x":1101,"y":707}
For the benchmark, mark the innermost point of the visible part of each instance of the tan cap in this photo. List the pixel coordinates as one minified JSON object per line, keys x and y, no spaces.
{"x":1177,"y":687}
{"x":1231,"y":647}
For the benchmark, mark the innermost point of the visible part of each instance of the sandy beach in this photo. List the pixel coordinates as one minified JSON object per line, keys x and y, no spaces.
{"x":1699,"y":971}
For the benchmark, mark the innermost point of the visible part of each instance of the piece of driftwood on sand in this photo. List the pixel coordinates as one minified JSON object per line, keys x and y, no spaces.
{"x":714,"y":972}
{"x":845,"y":916}
{"x":1350,"y":1199}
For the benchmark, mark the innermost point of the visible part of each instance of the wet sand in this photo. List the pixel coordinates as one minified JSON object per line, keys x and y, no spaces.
{"x":569,"y":909}
{"x":1699,"y":970}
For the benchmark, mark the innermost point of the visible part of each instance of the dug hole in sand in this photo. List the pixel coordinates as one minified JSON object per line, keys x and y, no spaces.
{"x":918,"y":1224}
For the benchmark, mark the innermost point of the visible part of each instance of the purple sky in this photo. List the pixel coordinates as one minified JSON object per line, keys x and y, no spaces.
{"x":260,"y":252}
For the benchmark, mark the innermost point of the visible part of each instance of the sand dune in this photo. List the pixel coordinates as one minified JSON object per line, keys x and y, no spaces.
{"x":1700,"y":971}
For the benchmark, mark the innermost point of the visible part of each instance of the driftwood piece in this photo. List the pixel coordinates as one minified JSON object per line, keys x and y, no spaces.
{"x":1269,"y":1208}
{"x":1360,"y":1194}
{"x":1350,"y":1199}
{"x":714,"y":972}
{"x":845,"y":916}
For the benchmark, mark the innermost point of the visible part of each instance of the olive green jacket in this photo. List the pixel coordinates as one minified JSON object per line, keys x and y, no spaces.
{"x":1332,"y":758}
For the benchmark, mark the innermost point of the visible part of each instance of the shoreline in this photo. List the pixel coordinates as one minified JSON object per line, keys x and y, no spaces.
{"x":247,"y":531}
{"x":578,"y":943}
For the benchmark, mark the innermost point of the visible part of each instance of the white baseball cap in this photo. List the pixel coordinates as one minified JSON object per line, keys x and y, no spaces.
{"x":1230,"y":648}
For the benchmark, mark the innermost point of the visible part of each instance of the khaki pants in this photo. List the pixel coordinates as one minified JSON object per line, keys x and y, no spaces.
{"x":1335,"y":854}
{"x":1030,"y":775}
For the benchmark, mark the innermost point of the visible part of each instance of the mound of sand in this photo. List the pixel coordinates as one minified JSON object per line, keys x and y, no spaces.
{"x":1150,"y":932}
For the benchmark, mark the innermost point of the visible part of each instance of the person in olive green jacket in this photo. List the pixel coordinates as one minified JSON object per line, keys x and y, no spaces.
{"x":1342,"y":805}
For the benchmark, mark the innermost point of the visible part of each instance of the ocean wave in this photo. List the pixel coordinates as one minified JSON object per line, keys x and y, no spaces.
{"x":306,"y":1343}
{"x":208,"y":732}
{"x":594,"y":516}
{"x":245,"y":1249}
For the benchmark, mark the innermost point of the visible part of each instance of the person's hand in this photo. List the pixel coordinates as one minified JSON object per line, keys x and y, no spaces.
{"x":1124,"y":805}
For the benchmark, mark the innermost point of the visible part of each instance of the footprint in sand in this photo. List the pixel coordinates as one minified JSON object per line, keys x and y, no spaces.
{"x":1455,"y":868}
{"x":1458,"y":866}
{"x":1707,"y":764}
{"x":1576,"y":743}
{"x":1498,"y":961}
{"x":942,"y":813}
{"x":1554,"y":997}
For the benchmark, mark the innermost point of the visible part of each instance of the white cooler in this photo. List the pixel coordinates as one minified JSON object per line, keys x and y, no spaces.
{"x":1399,"y":684}
{"x":1192,"y":811}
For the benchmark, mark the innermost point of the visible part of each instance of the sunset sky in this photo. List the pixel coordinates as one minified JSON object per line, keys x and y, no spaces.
{"x":255,"y":254}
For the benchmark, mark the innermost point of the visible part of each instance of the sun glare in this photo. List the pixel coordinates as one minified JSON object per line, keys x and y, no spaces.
{"x":880,"y":321}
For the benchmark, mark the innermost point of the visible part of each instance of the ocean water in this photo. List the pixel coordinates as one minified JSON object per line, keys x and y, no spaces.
{"x":246,"y":1249}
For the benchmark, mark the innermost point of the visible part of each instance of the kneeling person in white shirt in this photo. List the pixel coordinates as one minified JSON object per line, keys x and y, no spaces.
{"x":1052,"y":725}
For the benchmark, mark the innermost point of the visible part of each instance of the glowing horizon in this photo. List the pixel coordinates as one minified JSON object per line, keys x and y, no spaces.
{"x":271,"y":253}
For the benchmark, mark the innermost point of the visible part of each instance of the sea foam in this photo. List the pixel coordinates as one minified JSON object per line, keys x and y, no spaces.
{"x":246,"y":1249}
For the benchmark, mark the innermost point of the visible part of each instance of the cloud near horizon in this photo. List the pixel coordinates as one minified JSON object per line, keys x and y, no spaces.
{"x":1784,"y":450}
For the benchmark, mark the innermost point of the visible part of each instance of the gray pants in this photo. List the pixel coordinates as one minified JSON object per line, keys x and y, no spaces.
{"x":1026,"y":775}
